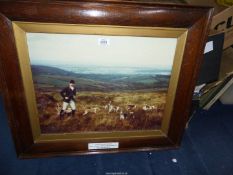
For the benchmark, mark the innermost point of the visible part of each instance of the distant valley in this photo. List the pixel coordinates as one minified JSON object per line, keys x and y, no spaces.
{"x":48,"y":77}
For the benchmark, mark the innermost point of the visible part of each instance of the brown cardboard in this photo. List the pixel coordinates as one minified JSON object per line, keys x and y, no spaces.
{"x":224,"y":22}
{"x":225,"y":2}
{"x":226,"y":62}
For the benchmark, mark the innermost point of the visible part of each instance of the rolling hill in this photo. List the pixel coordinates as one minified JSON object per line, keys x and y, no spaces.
{"x":46,"y":77}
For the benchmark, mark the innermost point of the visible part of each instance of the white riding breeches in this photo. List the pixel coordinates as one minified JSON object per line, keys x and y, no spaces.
{"x":71,"y":103}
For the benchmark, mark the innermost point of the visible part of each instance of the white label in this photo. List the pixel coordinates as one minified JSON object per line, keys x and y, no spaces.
{"x":209,"y":47}
{"x":104,"y":41}
{"x":107,"y":145}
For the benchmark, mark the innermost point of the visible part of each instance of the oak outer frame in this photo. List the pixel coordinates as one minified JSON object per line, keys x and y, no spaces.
{"x":117,"y":13}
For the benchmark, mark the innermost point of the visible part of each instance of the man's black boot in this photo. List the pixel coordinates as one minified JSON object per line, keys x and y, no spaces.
{"x":73,"y":113}
{"x":62,"y":114}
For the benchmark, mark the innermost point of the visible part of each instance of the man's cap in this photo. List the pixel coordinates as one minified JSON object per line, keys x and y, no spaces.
{"x":72,"y":81}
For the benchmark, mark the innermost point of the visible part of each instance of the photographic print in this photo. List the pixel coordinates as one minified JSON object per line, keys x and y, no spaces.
{"x":100,"y":83}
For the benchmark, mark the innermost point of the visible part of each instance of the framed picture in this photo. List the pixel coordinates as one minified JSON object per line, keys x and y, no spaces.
{"x":99,"y":77}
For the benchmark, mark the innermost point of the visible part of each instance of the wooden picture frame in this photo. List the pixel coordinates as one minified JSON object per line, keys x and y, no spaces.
{"x":188,"y":24}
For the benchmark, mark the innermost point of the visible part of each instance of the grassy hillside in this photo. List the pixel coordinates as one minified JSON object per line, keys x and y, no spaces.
{"x":51,"y":77}
{"x":102,"y":119}
{"x":95,"y":93}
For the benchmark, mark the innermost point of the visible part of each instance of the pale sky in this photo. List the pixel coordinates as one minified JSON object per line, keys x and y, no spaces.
{"x":86,"y":50}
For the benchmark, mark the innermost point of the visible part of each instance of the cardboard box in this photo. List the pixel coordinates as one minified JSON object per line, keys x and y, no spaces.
{"x":226,"y":62}
{"x":225,"y":2}
{"x":227,"y":97}
{"x":223,"y":22}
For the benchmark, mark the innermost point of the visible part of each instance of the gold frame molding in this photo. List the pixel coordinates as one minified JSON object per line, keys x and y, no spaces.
{"x":20,"y":30}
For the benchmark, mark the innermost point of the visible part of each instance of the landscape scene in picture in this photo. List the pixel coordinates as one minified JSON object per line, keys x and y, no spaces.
{"x":121,"y":82}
